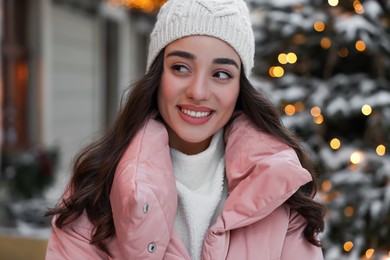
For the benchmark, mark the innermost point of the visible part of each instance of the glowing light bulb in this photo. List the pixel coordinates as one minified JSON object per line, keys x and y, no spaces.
{"x":318,"y":119}
{"x":360,"y":45}
{"x":276,"y":71}
{"x":343,"y":52}
{"x":348,"y":211}
{"x":358,"y":7}
{"x":326,"y":185}
{"x":282,"y":58}
{"x":292,"y":58}
{"x":381,"y":150}
{"x":315,"y":111}
{"x":348,"y":246}
{"x":333,"y":2}
{"x":366,"y":110}
{"x":357,"y":157}
{"x":335,"y":143}
{"x":370,"y":252}
{"x":319,"y":26}
{"x":289,"y":110}
{"x":326,"y":43}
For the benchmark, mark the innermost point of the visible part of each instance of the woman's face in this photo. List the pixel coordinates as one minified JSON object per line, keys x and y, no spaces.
{"x":198,"y":92}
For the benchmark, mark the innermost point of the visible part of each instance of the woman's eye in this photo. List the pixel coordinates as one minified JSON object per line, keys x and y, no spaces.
{"x":222,"y":75}
{"x":179,"y":68}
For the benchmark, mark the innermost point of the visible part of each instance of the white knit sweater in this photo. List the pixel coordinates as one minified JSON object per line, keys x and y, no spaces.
{"x":202,"y":191}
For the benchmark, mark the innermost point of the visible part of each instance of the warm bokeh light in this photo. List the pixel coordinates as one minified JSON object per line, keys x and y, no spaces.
{"x":289,"y":109}
{"x":357,"y":157}
{"x":318,"y":119}
{"x":326,"y":43}
{"x":343,"y":52}
{"x":319,"y":26}
{"x":358,"y":7}
{"x":333,"y":2}
{"x":348,"y":211}
{"x":348,"y":246}
{"x":370,"y":252}
{"x":276,"y":71}
{"x":291,"y":58}
{"x":326,"y":186}
{"x":299,"y":39}
{"x":143,"y":5}
{"x":335,"y":143}
{"x":360,"y":45}
{"x":282,"y":58}
{"x":299,"y":106}
{"x":315,"y":111}
{"x":366,"y":110}
{"x":381,"y":150}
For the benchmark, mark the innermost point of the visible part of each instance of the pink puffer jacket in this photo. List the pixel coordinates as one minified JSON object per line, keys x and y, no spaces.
{"x":255,"y":222}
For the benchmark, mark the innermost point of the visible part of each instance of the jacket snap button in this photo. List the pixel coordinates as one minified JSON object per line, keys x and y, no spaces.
{"x":146,"y":208}
{"x":152,"y":247}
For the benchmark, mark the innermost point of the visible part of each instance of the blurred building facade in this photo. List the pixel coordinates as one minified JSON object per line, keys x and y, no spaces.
{"x":64,"y":67}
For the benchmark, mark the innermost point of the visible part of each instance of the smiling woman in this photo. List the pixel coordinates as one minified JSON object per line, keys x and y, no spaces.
{"x":198,"y":91}
{"x":197,"y":164}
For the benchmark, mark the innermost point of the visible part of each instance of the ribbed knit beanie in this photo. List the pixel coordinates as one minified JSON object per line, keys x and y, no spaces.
{"x":227,"y":20}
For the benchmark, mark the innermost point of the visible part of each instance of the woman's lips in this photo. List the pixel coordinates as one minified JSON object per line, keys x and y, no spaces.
{"x":194,"y":114}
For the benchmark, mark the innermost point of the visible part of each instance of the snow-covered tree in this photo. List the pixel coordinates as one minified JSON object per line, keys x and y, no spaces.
{"x":326,"y":64}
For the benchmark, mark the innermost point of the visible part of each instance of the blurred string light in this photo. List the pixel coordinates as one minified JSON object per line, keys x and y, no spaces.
{"x":335,"y":143}
{"x":357,"y":157}
{"x":285,"y":58}
{"x":358,"y":7}
{"x":291,"y":58}
{"x":326,"y":43}
{"x":319,"y":26}
{"x":315,"y":111}
{"x":333,"y":2}
{"x":366,"y":110}
{"x":360,"y":46}
{"x":298,"y":38}
{"x":343,"y":52}
{"x":369,"y":253}
{"x":381,"y":150}
{"x":147,"y":6}
{"x":318,"y":118}
{"x":289,"y":109}
{"x":276,"y":72}
{"x":349,"y":211}
{"x":299,"y":106}
{"x":348,"y":246}
{"x":282,"y":58}
{"x":326,"y":185}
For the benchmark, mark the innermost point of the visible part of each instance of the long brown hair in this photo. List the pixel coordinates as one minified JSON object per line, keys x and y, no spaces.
{"x":94,"y":167}
{"x":265,"y":116}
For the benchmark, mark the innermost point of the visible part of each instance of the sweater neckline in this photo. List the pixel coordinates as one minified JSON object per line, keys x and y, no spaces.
{"x":193,"y":171}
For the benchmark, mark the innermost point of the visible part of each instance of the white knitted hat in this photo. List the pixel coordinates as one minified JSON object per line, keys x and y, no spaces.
{"x":227,"y":20}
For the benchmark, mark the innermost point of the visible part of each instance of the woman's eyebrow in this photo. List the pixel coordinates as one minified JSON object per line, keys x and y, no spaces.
{"x":190,"y":56}
{"x":225,"y":61}
{"x":182,"y":54}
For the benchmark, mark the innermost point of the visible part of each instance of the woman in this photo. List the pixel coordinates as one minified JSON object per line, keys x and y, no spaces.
{"x":198,"y":164}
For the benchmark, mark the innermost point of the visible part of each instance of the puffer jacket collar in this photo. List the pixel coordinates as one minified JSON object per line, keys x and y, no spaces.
{"x":262,"y":173}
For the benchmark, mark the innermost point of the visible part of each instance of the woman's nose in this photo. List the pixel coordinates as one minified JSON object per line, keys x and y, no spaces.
{"x":198,"y":88}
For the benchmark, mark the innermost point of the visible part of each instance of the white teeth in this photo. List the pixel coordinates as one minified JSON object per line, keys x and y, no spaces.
{"x":195,"y":114}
